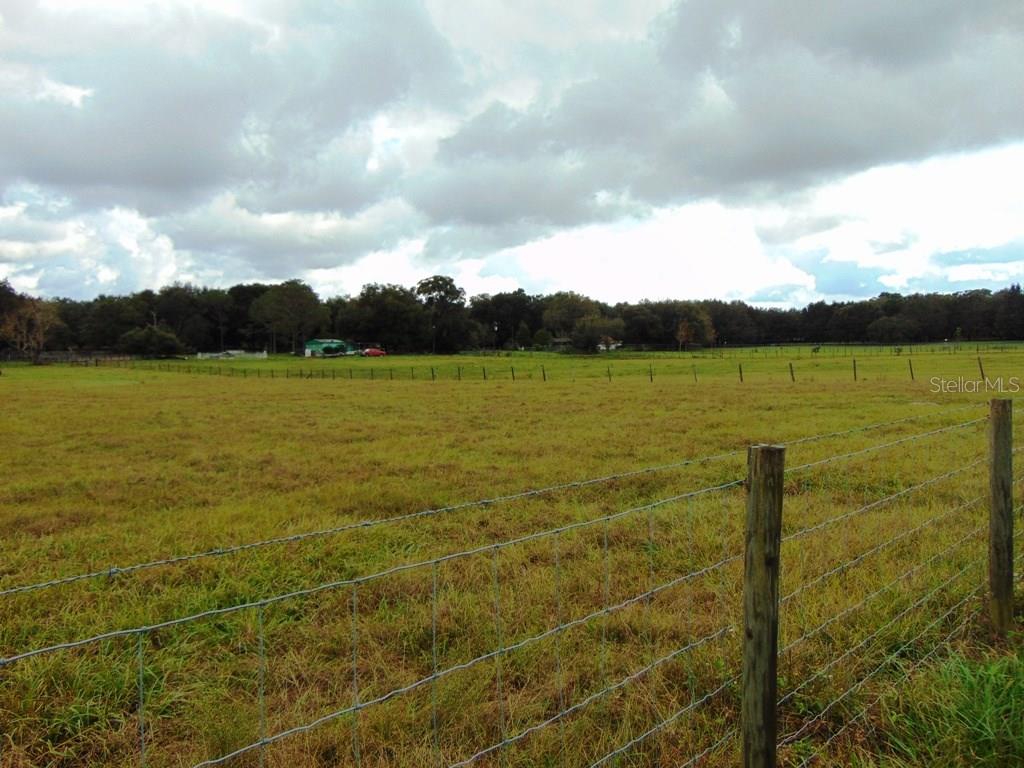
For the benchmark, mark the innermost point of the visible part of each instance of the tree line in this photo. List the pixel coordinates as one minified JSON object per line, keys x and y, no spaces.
{"x":435,"y":315}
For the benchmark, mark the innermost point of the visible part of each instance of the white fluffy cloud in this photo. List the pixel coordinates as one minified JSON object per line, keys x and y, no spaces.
{"x":659,"y":148}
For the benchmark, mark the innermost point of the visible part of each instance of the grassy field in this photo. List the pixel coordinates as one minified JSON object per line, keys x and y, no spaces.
{"x":108,"y":466}
{"x":758,"y":364}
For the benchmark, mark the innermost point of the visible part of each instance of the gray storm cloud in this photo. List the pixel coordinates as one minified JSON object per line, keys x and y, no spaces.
{"x":254,"y":140}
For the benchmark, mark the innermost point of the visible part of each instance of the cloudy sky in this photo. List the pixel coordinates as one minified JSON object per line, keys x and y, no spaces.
{"x":773,"y":152}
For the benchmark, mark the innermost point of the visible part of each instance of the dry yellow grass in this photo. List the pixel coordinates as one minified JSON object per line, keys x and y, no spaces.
{"x":107,"y":467}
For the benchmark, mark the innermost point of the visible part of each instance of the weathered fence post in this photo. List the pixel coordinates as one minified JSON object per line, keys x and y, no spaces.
{"x":792,"y":376}
{"x":741,"y":373}
{"x":543,"y":373}
{"x":855,"y":369}
{"x":765,"y":465}
{"x":1000,"y":525}
{"x":911,"y":364}
{"x":981,"y":368}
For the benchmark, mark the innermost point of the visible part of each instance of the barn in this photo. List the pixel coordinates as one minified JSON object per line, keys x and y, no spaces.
{"x":330,"y":348}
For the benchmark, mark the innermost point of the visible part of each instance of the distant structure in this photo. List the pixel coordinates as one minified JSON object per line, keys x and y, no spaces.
{"x":330,"y":348}
{"x":232,"y":354}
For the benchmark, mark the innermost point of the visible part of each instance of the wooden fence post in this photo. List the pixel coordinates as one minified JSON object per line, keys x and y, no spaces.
{"x":1000,"y":525}
{"x":911,"y":364}
{"x":765,"y":466}
{"x":792,"y":376}
{"x":741,"y":373}
{"x":855,"y":369}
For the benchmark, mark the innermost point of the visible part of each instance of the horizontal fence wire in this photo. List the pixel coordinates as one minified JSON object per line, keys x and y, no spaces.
{"x":637,"y":599}
{"x":850,"y":651}
{"x":973,"y":594}
{"x":341,"y":583}
{"x":113,"y":570}
{"x":942,"y":643}
{"x":878,"y":669}
{"x":845,"y":566}
{"x":720,"y":632}
{"x":437,"y":674}
{"x":348,"y":582}
{"x":881,"y":502}
{"x":664,"y":723}
{"x":821,"y":577}
{"x":732,"y":732}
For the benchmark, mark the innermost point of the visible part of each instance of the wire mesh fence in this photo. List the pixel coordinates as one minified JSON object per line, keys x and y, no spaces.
{"x":613,"y":637}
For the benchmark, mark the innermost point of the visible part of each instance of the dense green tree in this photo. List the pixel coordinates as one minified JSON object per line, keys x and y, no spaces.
{"x":446,"y":310}
{"x":564,"y":309}
{"x":151,"y":341}
{"x":642,"y":324}
{"x":217,"y":306}
{"x":110,"y":317}
{"x":501,"y":315}
{"x":243,"y":331}
{"x":592,"y":330}
{"x":391,"y":315}
{"x":694,"y":326}
{"x":898,"y":329}
{"x":435,"y":315}
{"x":290,"y":310}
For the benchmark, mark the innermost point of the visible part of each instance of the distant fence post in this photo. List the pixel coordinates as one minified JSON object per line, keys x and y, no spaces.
{"x":741,"y":373}
{"x":911,"y":364}
{"x":855,"y":369}
{"x":765,"y":465}
{"x":1000,"y":526}
{"x":792,"y":376}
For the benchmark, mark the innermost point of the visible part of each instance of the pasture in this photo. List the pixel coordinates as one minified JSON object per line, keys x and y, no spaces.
{"x":594,"y":624}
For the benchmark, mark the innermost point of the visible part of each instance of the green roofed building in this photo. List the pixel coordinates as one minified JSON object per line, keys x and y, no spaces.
{"x":330,"y":348}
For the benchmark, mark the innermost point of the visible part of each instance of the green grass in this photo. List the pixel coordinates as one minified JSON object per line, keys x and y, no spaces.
{"x":759,"y":365}
{"x":109,"y":466}
{"x":965,"y":710}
